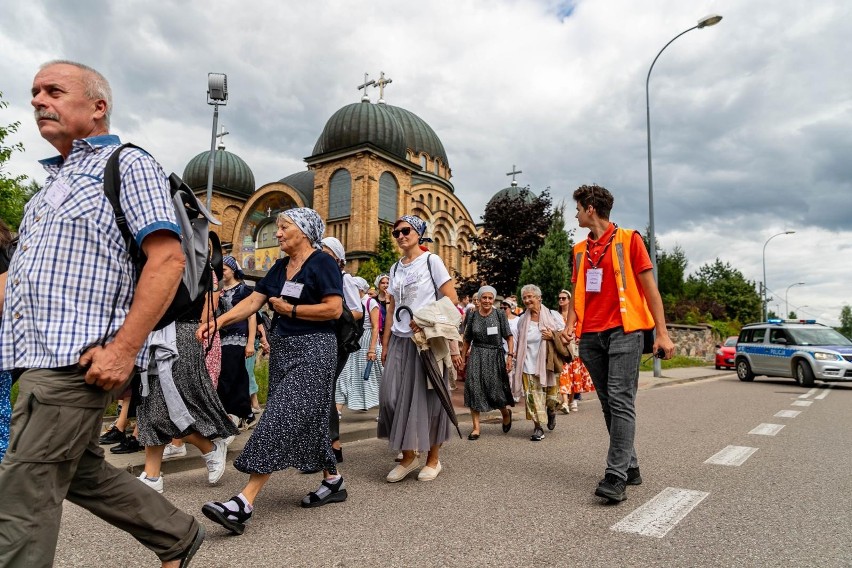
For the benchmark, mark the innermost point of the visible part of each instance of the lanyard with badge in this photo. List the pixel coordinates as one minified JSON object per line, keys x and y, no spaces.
{"x":291,"y":288}
{"x":594,"y":275}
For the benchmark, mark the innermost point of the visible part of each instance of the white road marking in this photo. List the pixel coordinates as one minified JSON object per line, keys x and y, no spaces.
{"x":659,"y":515}
{"x":809,"y":393}
{"x":824,"y":393}
{"x":732,"y":455}
{"x":787,"y":413}
{"x":802,"y":403}
{"x":767,"y":429}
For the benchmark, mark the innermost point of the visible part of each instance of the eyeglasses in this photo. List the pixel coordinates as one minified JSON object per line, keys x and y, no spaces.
{"x":404,"y":232}
{"x":563,"y":297}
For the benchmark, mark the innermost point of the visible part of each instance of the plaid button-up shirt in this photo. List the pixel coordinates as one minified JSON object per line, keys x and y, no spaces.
{"x":71,"y":260}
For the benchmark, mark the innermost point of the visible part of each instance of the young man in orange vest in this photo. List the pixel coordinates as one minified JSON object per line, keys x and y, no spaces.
{"x":615,"y":299}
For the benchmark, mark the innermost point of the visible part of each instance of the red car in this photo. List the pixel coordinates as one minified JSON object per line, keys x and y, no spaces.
{"x":725,"y":353}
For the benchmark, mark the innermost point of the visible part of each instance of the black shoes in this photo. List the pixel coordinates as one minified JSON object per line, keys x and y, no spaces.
{"x":612,"y":488}
{"x":537,"y":435}
{"x":633,"y":476}
{"x":472,"y":436}
{"x":507,"y":427}
{"x":234,"y":521}
{"x":551,"y":419}
{"x":112,"y":436}
{"x":130,"y":445}
{"x":327,"y":493}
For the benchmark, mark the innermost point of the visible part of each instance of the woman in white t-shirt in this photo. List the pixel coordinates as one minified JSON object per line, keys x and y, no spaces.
{"x":410,"y":414}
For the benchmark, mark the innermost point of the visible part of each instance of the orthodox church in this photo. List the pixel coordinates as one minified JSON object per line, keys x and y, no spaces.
{"x":372,"y":163}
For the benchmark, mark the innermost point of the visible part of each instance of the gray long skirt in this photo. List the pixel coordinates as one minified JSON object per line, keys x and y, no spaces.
{"x":293,"y":429}
{"x":195,"y":388}
{"x":410,"y":414}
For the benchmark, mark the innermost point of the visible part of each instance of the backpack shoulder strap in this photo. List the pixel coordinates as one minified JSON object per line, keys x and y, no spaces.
{"x":112,"y":190}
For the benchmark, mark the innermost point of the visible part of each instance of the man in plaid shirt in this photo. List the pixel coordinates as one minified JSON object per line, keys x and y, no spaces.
{"x":71,"y":268}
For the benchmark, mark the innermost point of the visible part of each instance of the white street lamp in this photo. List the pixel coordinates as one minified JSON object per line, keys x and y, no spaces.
{"x":711,"y":20}
{"x":217,"y":94}
{"x":786,"y":302}
{"x":764,"y":267}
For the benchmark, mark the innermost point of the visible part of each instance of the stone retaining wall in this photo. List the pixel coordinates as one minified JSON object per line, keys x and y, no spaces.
{"x":693,"y":340}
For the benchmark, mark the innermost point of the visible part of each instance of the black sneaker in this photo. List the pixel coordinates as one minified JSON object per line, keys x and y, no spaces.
{"x":611,"y":488}
{"x":234,"y":521}
{"x":537,"y":435}
{"x":112,"y":436}
{"x":327,"y":493}
{"x":633,"y":476}
{"x":130,"y":445}
{"x":551,"y":419}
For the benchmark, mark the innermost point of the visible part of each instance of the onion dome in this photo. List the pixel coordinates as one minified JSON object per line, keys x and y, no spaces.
{"x":303,"y":183}
{"x":419,"y":136}
{"x":360,"y":124}
{"x":231,"y":175}
{"x":514,"y":191}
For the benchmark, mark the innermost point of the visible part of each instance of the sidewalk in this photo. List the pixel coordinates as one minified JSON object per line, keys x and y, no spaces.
{"x":357,"y":425}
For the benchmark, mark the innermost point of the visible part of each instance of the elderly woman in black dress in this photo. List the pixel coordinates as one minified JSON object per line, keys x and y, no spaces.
{"x":305,"y":292}
{"x":486,"y":386}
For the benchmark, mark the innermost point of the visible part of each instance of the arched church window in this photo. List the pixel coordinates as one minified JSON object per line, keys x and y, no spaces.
{"x":436,"y":167}
{"x":429,"y":201}
{"x":388,"y":197}
{"x":340,"y":194}
{"x":423,"y":162}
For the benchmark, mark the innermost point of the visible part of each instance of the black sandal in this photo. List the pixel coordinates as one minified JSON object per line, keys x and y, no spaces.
{"x":234,"y":521}
{"x":472,"y":436}
{"x":507,"y":427}
{"x":327,"y":493}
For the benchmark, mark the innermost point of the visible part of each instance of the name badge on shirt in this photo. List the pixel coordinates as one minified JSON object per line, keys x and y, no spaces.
{"x":491,"y":330}
{"x":56,"y":193}
{"x":594,"y":278}
{"x":292,"y":289}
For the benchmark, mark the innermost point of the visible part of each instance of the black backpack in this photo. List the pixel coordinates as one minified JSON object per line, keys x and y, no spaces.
{"x":348,"y":330}
{"x":201,"y":247}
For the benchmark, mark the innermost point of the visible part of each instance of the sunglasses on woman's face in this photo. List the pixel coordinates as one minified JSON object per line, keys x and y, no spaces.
{"x":563,"y":297}
{"x":404,"y":232}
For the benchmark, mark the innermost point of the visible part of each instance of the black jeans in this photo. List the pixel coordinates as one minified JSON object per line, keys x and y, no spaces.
{"x":612,"y":358}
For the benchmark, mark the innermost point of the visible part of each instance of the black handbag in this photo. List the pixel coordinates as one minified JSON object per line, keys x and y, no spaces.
{"x":348,"y":331}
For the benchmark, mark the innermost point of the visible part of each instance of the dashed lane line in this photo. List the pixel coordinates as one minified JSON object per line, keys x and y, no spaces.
{"x":732,"y":455}
{"x":802,"y":403}
{"x":767,"y":429}
{"x":809,"y":393}
{"x":787,"y":413}
{"x":824,"y":393}
{"x":660,"y":515}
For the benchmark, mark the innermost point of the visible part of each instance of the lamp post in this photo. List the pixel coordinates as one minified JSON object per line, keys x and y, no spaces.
{"x":711,"y":20}
{"x":764,"y":267}
{"x":217,"y":94}
{"x":786,"y":302}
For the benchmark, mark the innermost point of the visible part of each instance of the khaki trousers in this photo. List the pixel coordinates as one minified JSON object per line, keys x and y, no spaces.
{"x":54,"y":455}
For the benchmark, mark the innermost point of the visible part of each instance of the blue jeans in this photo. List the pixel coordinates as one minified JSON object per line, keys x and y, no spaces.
{"x":612,"y":358}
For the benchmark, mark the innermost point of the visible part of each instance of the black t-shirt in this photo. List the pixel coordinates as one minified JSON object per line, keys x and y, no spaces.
{"x":319,"y":277}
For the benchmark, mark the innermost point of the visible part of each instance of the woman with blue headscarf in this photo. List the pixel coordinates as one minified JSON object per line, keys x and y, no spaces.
{"x":304,"y":290}
{"x":410,"y":413}
{"x":237,"y":345}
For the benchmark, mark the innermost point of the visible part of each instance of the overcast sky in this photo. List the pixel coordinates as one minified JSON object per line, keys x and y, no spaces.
{"x":751,"y":119}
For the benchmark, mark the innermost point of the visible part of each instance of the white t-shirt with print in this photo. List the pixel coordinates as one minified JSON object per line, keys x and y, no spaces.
{"x":412,"y":286}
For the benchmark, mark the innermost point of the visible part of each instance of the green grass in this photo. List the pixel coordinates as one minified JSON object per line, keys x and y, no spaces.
{"x":674,"y":363}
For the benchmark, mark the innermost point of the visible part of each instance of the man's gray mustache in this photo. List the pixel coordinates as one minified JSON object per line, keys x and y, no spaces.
{"x":39,"y":114}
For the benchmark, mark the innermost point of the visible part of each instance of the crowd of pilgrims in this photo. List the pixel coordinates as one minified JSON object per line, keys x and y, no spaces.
{"x":200,"y":388}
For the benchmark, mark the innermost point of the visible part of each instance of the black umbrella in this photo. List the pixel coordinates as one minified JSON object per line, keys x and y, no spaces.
{"x":435,"y":377}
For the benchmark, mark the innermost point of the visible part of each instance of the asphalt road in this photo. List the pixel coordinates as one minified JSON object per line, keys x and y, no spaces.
{"x":506,"y":501}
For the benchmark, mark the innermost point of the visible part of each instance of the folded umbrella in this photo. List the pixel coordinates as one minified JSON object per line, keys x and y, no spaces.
{"x":367,"y":370}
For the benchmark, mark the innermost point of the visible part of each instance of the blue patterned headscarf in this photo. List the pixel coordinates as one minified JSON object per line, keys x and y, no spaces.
{"x":418,"y":224}
{"x":232,"y":263}
{"x":309,"y":222}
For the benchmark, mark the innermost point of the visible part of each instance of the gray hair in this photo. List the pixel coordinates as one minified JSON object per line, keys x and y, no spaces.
{"x":535,"y":290}
{"x":96,"y":86}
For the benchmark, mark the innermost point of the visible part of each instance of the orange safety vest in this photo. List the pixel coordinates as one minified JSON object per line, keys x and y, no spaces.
{"x":635,"y":314}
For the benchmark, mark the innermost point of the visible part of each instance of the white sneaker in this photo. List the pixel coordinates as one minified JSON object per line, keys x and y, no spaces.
{"x":574,"y":406}
{"x":215,"y":459}
{"x":229,"y":439}
{"x":155,"y":485}
{"x":171,"y":451}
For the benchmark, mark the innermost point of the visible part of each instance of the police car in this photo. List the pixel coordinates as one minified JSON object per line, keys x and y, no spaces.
{"x":800,"y":349}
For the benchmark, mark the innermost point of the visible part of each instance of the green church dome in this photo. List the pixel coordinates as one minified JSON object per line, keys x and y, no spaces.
{"x":231,"y":175}
{"x":359,"y":124}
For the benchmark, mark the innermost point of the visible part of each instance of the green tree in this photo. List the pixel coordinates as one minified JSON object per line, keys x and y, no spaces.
{"x":550,"y":268}
{"x":13,"y":193}
{"x":386,"y":254}
{"x":514,"y":228}
{"x":723,"y":285}
{"x":671,"y":267}
{"x":846,"y":321}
